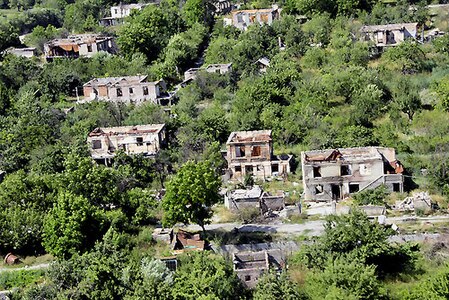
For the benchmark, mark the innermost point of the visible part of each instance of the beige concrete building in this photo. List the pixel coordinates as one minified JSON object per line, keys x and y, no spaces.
{"x":337,"y":173}
{"x":127,"y":89}
{"x":244,"y":18}
{"x":390,"y":34}
{"x":141,"y":139}
{"x":78,"y":45}
{"x":119,"y":12}
{"x":251,"y":152}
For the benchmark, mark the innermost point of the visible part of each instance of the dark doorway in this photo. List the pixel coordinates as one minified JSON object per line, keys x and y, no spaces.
{"x":336,"y":192}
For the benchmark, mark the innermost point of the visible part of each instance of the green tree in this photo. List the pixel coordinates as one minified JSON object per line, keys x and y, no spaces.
{"x":190,"y":194}
{"x":146,"y":32}
{"x":345,"y":278}
{"x":205,"y":275}
{"x":273,"y":287}
{"x":69,"y":225}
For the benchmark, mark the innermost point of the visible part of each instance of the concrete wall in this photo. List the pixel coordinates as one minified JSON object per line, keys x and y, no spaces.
{"x":362,"y":174}
{"x":152,"y":143}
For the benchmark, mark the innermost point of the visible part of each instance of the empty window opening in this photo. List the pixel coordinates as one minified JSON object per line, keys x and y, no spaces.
{"x":319,"y":189}
{"x":274,"y":168}
{"x":240,"y":151}
{"x":248,"y":169}
{"x":336,"y":192}
{"x":247,"y":277}
{"x":260,"y":168}
{"x":238,"y":169}
{"x":396,"y":187}
{"x":119,"y":92}
{"x":96,"y":144}
{"x":139,"y":141}
{"x":145,"y":90}
{"x":131,"y":90}
{"x":255,"y":151}
{"x":354,"y":188}
{"x":89,"y":48}
{"x":345,"y":170}
{"x":316,"y":172}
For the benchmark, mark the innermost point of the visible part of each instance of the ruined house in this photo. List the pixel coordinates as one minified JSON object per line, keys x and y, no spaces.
{"x":251,"y":152}
{"x":141,"y":139}
{"x":262,"y":64}
{"x":254,"y":198}
{"x":337,"y":173}
{"x":390,"y":34}
{"x":222,"y":7}
{"x":185,"y":241}
{"x":78,"y":45}
{"x":127,"y":89}
{"x":22,"y":52}
{"x":250,"y":265}
{"x":244,"y":18}
{"x":212,"y":68}
{"x":119,"y":12}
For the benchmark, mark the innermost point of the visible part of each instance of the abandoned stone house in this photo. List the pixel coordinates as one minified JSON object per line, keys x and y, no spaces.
{"x":119,"y":12}
{"x":251,"y":152}
{"x":263,"y":64}
{"x":22,"y":52}
{"x":249,"y":266}
{"x":254,"y":198}
{"x":337,"y":173}
{"x":141,"y":139}
{"x":222,"y":7}
{"x":127,"y":89}
{"x":212,"y":68}
{"x":244,"y":18}
{"x":78,"y":45}
{"x":390,"y":34}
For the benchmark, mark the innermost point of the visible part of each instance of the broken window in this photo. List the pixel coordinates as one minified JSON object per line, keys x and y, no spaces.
{"x":319,"y":189}
{"x":396,"y":187}
{"x":119,"y":92}
{"x":345,"y":170}
{"x":96,"y":144}
{"x":139,"y":141}
{"x":238,"y":169}
{"x":145,"y":90}
{"x":255,"y":151}
{"x":316,"y":172}
{"x":247,"y":277}
{"x":274,"y":168}
{"x":354,"y":188}
{"x":248,"y":169}
{"x":240,"y":151}
{"x":131,"y":90}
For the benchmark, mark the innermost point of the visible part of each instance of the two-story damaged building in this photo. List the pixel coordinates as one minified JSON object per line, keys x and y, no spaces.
{"x":251,"y":152}
{"x":127,"y":89}
{"x":337,"y":173}
{"x":390,"y":34}
{"x":75,"y":46}
{"x":147,"y":140}
{"x":244,"y":18}
{"x":119,"y":12}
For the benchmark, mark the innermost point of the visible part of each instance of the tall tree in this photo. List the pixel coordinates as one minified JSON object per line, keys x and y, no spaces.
{"x":190,"y":194}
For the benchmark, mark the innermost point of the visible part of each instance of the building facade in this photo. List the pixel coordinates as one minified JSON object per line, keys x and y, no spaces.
{"x":244,"y":18}
{"x":105,"y":142}
{"x":127,"y":89}
{"x":390,"y":34}
{"x":337,"y":173}
{"x":251,"y":152}
{"x":74,"y":46}
{"x":119,"y":12}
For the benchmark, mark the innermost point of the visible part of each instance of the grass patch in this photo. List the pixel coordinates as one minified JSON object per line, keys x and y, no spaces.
{"x":20,"y":279}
